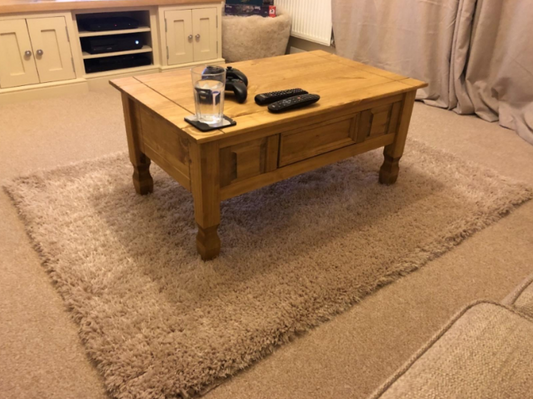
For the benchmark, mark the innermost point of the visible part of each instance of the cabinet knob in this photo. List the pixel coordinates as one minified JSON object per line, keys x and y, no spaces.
{"x":190,"y":37}
{"x":39,"y":52}
{"x":197,"y":36}
{"x":27,"y":53}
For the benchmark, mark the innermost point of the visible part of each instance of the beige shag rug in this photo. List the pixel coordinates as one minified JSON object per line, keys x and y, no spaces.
{"x":160,"y":323}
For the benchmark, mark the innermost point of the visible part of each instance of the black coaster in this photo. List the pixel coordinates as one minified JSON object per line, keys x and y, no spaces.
{"x":204,"y":127}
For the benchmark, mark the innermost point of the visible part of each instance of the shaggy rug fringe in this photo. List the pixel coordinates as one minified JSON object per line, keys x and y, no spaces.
{"x":159,"y":322}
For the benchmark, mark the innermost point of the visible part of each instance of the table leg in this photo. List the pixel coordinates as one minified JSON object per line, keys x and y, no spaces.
{"x":388,"y":173}
{"x":205,"y":184}
{"x":142,"y":180}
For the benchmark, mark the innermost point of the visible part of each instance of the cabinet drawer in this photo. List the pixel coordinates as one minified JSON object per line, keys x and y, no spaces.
{"x":307,"y":142}
{"x":244,"y":161}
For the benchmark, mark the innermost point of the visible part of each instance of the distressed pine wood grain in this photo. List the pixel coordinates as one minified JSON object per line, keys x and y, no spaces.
{"x":142,"y":180}
{"x":361,"y":108}
{"x":341,"y":83}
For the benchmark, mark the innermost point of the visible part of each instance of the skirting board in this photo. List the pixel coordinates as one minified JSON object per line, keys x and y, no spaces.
{"x":79,"y":86}
{"x":298,"y":45}
{"x":294,"y":50}
{"x":102,"y":81}
{"x":191,"y":64}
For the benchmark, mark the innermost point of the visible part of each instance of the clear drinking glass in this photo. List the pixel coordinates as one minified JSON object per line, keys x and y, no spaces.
{"x":208,"y":86}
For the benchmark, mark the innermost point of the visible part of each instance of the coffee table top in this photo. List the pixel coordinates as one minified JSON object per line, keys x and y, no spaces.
{"x":340,"y":82}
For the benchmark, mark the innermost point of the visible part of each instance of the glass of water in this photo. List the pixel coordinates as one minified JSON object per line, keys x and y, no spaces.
{"x":208,"y":87}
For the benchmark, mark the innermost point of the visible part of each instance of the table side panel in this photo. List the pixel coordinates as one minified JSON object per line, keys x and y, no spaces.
{"x":164,"y":144}
{"x":246,"y":160}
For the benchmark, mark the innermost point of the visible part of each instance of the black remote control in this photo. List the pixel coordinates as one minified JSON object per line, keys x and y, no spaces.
{"x":293,"y":102}
{"x":273,"y":96}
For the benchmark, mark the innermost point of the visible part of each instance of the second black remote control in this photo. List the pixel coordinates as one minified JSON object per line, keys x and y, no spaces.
{"x":293,"y":103}
{"x":273,"y":96}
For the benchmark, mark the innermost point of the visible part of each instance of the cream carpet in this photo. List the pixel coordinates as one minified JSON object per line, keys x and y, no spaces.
{"x":158,"y":322}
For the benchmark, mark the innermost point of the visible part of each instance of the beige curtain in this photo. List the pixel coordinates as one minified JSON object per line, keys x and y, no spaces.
{"x":409,"y":37}
{"x":497,"y":83}
{"x":477,"y":55}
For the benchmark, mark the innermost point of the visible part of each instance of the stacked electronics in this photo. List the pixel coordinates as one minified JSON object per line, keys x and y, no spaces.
{"x":264,"y":8}
{"x":106,"y":47}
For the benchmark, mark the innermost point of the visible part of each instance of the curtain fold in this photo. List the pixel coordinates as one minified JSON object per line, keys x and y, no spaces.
{"x":497,"y":83}
{"x":460,"y":53}
{"x":476,"y":55}
{"x":409,"y":37}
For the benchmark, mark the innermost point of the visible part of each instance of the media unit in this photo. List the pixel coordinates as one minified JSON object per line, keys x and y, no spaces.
{"x":97,"y":40}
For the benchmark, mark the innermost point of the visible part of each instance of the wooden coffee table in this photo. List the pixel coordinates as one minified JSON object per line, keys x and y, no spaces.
{"x":361,"y":108}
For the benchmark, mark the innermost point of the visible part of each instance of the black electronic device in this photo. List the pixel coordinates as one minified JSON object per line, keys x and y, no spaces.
{"x":293,"y":103}
{"x":108,"y":23}
{"x":239,"y":89}
{"x":237,"y":82}
{"x":233,"y":73}
{"x":273,"y":96}
{"x":111,"y":44}
{"x":116,"y":62}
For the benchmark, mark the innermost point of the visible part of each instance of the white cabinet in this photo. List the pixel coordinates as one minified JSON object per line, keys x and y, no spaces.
{"x":34,"y":50}
{"x":51,"y":46}
{"x":17,"y":65}
{"x":205,"y":32}
{"x":45,"y":50}
{"x":191,"y":35}
{"x":179,"y":37}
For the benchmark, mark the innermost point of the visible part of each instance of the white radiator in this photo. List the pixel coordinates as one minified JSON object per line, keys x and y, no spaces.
{"x":311,"y":19}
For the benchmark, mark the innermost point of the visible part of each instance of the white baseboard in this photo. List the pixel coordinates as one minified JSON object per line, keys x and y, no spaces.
{"x":300,"y":45}
{"x":10,"y":96}
{"x":294,"y":50}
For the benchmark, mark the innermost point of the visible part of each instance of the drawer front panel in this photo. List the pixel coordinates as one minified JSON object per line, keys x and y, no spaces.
{"x":244,"y":161}
{"x":307,"y":142}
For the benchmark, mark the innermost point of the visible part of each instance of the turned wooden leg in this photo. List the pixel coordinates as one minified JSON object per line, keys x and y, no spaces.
{"x":205,"y":184}
{"x":388,"y":174}
{"x":208,"y":242}
{"x":142,"y":179}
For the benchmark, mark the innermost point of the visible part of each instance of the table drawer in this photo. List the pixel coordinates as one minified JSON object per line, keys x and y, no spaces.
{"x":246,"y":160}
{"x":307,"y":142}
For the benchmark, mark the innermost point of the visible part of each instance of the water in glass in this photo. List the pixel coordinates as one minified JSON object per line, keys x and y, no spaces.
{"x":209,"y":99}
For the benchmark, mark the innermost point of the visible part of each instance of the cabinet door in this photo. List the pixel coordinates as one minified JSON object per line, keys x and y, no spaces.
{"x":204,"y":22}
{"x":179,"y":37}
{"x":51,"y":47}
{"x":17,"y":65}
